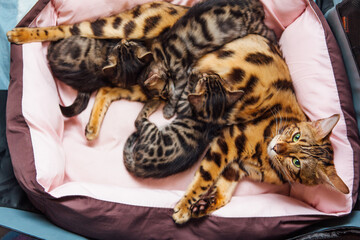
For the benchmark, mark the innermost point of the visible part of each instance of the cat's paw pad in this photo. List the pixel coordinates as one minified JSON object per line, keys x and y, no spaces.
{"x":91,"y":132}
{"x":201,"y":207}
{"x":168,"y":111}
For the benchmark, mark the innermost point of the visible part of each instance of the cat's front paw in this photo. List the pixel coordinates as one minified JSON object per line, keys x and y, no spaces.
{"x":17,"y":35}
{"x":91,"y":132}
{"x":182,"y":213}
{"x":204,"y":206}
{"x":168,"y":111}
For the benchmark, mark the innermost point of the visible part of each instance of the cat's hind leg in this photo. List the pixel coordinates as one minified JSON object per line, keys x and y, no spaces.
{"x":104,"y":97}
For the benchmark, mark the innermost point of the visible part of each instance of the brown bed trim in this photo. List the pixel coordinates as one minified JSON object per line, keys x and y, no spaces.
{"x":107,"y":220}
{"x":345,"y":96}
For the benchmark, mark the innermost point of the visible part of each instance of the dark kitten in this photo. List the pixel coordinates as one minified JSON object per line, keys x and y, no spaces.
{"x":88,"y":64}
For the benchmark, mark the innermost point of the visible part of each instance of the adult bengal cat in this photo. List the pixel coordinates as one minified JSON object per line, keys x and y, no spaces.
{"x":271,"y":140}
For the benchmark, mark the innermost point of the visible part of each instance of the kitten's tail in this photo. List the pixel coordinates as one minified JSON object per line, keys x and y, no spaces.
{"x":79,"y":105}
{"x":128,"y":152}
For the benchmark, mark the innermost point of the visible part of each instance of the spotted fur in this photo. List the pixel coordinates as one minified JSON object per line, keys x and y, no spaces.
{"x":206,"y":26}
{"x":154,"y":152}
{"x":271,"y":140}
{"x":144,"y":21}
{"x":151,"y":89}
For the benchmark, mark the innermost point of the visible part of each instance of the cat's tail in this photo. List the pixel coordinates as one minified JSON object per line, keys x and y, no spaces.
{"x":79,"y":105}
{"x":128,"y":152}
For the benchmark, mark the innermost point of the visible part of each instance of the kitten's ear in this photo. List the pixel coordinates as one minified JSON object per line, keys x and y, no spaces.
{"x":333,"y":180}
{"x":196,"y":100}
{"x":323,"y":127}
{"x":234,"y":96}
{"x":110,"y":68}
{"x":144,"y":55}
{"x":152,"y":80}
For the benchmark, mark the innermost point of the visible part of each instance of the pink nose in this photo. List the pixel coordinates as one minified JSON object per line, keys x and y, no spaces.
{"x":279,"y":148}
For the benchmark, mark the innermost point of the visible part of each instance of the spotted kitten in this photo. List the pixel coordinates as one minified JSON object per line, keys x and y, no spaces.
{"x":160,"y":152}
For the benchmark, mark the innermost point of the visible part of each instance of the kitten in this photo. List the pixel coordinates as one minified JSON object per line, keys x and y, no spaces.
{"x":88,"y":64}
{"x":157,"y":153}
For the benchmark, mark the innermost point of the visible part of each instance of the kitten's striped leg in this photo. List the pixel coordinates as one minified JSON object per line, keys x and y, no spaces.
{"x":222,"y":152}
{"x":104,"y":98}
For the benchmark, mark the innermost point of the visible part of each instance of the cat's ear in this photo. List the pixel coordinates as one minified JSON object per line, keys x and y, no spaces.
{"x":234,"y":96}
{"x":332,"y":179}
{"x":323,"y":127}
{"x":110,"y":68}
{"x":144,"y":55}
{"x":152,"y":80}
{"x":196,"y":100}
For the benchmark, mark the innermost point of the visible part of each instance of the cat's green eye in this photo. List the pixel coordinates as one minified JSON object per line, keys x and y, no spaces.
{"x":296,"y":137}
{"x":296,"y":162}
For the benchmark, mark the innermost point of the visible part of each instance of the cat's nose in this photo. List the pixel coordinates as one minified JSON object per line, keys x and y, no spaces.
{"x":279,"y":148}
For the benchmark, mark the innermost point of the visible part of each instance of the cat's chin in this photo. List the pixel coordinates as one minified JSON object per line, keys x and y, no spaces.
{"x":270,"y":149}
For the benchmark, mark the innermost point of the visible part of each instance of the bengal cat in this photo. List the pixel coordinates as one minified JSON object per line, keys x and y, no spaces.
{"x":160,"y":152}
{"x":87,"y":64}
{"x":271,"y":139}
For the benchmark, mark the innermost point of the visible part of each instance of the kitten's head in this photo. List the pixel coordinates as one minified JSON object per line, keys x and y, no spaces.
{"x":212,"y":97}
{"x":126,"y":61}
{"x":156,"y":87}
{"x":302,"y":152}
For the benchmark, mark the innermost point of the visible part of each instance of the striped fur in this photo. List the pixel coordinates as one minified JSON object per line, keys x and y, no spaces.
{"x":270,"y":139}
{"x":157,"y":153}
{"x":88,"y":64}
{"x":206,"y":26}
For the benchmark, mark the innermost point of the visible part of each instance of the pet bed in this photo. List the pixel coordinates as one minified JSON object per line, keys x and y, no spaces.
{"x":84,"y":187}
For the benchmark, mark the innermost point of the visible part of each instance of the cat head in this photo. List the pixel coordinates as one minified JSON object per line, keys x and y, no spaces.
{"x":212,"y":98}
{"x":302,"y":152}
{"x":125,"y":62}
{"x":156,"y":87}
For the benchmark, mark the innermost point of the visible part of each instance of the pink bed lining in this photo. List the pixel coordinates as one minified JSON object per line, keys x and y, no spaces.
{"x":68,"y":165}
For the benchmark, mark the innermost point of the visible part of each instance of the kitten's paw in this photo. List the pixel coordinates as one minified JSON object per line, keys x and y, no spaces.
{"x":91,"y":132}
{"x":168,"y":111}
{"x":182,"y":213}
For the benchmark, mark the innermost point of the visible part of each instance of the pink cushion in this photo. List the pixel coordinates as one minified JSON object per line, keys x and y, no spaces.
{"x":68,"y":165}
